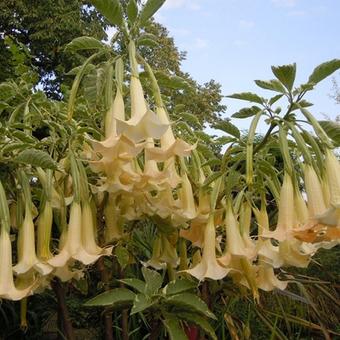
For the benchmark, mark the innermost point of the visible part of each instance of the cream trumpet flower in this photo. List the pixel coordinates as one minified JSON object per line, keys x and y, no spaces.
{"x":265,"y":249}
{"x":235,"y":244}
{"x":7,"y":287}
{"x":209,"y":267}
{"x":245,"y":222}
{"x":286,"y":214}
{"x":331,"y":217}
{"x":27,"y":257}
{"x":80,"y":243}
{"x":319,"y":230}
{"x":267,"y":280}
{"x":113,"y":229}
{"x":89,"y":252}
{"x":117,"y":111}
{"x":143,"y":122}
{"x":44,"y":232}
{"x":155,"y":261}
{"x":169,"y":145}
{"x":163,"y":203}
{"x":186,"y":198}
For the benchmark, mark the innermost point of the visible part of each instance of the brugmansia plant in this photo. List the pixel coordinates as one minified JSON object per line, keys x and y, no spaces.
{"x":268,"y":203}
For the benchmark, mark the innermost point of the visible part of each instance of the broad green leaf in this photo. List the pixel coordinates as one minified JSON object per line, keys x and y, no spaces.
{"x":227,"y":127}
{"x":153,"y":281}
{"x":144,"y":41}
{"x":24,"y":137}
{"x":203,"y":136}
{"x":324,"y":70}
{"x":212,"y":162}
{"x":332,"y":129}
{"x":110,"y":9}
{"x":189,"y":117}
{"x":224,"y":140}
{"x":214,"y":176}
{"x":136,"y":284}
{"x":178,"y":286}
{"x":200,"y":322}
{"x":123,"y":256}
{"x":94,"y":86}
{"x":273,"y":85}
{"x":149,"y":9}
{"x":3,"y":106}
{"x":274,"y":99}
{"x":140,"y":303}
{"x":172,"y":82}
{"x":76,"y":83}
{"x":174,"y":328}
{"x":191,"y":302}
{"x":302,"y":103}
{"x":286,"y":74}
{"x":246,"y":112}
{"x":36,"y":158}
{"x":85,"y":43}
{"x":116,"y":296}
{"x":132,"y":10}
{"x":249,"y":96}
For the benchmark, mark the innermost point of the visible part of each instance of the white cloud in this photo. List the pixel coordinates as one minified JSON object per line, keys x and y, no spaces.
{"x":187,"y":4}
{"x":285,"y":3}
{"x":246,"y":24}
{"x":200,"y":43}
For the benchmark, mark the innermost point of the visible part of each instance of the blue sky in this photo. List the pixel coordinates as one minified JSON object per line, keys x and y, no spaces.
{"x":236,"y":41}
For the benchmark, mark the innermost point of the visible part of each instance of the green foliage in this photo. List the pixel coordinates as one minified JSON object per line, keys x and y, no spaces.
{"x":111,"y":10}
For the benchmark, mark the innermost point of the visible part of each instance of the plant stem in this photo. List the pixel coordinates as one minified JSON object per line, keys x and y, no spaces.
{"x":125,"y":312}
{"x":63,"y":315}
{"x":104,"y":275}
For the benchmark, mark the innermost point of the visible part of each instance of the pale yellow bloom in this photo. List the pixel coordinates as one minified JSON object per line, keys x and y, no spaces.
{"x":209,"y":267}
{"x":27,"y":257}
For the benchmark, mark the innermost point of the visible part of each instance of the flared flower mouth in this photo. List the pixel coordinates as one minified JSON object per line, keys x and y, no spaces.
{"x":209,"y":266}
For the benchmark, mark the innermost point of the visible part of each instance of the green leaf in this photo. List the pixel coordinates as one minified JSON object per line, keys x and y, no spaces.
{"x":149,"y":9}
{"x":274,"y":99}
{"x":153,"y":281}
{"x":123,"y":256}
{"x":136,"y":284}
{"x":172,"y":82}
{"x":36,"y":158}
{"x":246,"y":112}
{"x":3,"y":106}
{"x":324,"y":70}
{"x":94,"y":86}
{"x":200,"y":322}
{"x":286,"y":74}
{"x":116,"y":296}
{"x":227,"y":127}
{"x":249,"y":96}
{"x":178,"y":286}
{"x":132,"y":10}
{"x":189,"y":117}
{"x":174,"y":328}
{"x":211,"y":178}
{"x":144,"y":41}
{"x":191,"y":302}
{"x":140,"y":303}
{"x":84,"y":43}
{"x":272,"y":85}
{"x":224,"y":140}
{"x":332,"y":129}
{"x":110,"y":9}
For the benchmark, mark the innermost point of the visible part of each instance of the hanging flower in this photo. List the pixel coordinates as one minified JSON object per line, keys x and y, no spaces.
{"x":209,"y":267}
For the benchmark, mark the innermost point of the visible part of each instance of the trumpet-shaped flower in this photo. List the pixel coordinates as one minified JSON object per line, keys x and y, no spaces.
{"x":27,"y":257}
{"x":7,"y":287}
{"x":209,"y":267}
{"x":80,"y":242}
